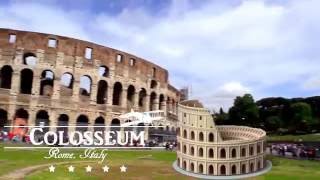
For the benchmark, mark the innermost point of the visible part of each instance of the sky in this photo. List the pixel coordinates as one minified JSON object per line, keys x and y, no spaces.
{"x":219,"y":49}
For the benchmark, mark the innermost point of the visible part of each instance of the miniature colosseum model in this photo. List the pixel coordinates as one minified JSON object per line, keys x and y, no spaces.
{"x":58,"y":81}
{"x":204,"y":148}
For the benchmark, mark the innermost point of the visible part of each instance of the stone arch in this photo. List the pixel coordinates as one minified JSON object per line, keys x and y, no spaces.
{"x":3,"y":119}
{"x":200,"y":152}
{"x":258,"y":148}
{"x":233,"y":153}
{"x":153,"y":97}
{"x":42,"y":119}
{"x":211,"y":137}
{"x":99,"y":122}
{"x":222,"y":170}
{"x":82,"y":123}
{"x":192,"y":151}
{"x":142,"y":99}
{"x":115,"y":126}
{"x":211,"y":154}
{"x":178,"y":131}
{"x":233,"y":169}
{"x":30,"y":59}
{"x":210,"y":170}
{"x":63,"y":120}
{"x":243,"y":152}
{"x":103,"y":71}
{"x":222,"y":153}
{"x":192,"y":167}
{"x":130,"y":96}
{"x":243,"y":169}
{"x":66,"y":82}
{"x":251,"y":167}
{"x":102,"y":93}
{"x":251,"y":150}
{"x":200,"y":169}
{"x":26,"y":78}
{"x":117,"y":94}
{"x":192,"y":136}
{"x":184,"y":165}
{"x":161,"y":102}
{"x":201,"y":137}
{"x":85,"y":85}
{"x":185,"y":134}
{"x":153,"y":84}
{"x":184,"y":150}
{"x":6,"y":77}
{"x":46,"y":83}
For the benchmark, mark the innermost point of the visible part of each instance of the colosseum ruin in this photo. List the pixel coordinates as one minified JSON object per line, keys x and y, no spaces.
{"x":59,"y":81}
{"x":209,"y":150}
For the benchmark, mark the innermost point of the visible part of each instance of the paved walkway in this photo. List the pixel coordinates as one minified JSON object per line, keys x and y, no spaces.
{"x":23,"y":172}
{"x":242,"y":176}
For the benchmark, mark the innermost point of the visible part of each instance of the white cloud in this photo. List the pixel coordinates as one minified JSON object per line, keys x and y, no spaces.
{"x":219,"y":50}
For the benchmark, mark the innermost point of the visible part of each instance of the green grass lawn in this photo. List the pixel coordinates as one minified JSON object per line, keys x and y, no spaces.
{"x":141,"y":165}
{"x":296,"y":138}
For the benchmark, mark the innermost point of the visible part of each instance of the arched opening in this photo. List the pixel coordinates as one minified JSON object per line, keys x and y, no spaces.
{"x":258,"y":149}
{"x":233,"y":170}
{"x":184,"y":150}
{"x":243,"y":152}
{"x":99,"y":124}
{"x":222,"y":170}
{"x":153,"y":97}
{"x":153,"y":84}
{"x":192,"y":135}
{"x":185,"y":134}
{"x":117,"y":93}
{"x":259,"y":165}
{"x":63,"y":120}
{"x":210,"y":153}
{"x":184,"y":165}
{"x":6,"y":76}
{"x":192,"y":167}
{"x":200,"y":168}
{"x":82,"y":123}
{"x":46,"y":84}
{"x":251,"y":150}
{"x":3,"y":120}
{"x":115,"y":126}
{"x":42,"y":120}
{"x":102,"y":93}
{"x":178,"y":131}
{"x":210,"y":170}
{"x":130,"y":96}
{"x":192,"y":151}
{"x":233,"y":153}
{"x":211,"y":137}
{"x":85,"y":85}
{"x":201,"y":136}
{"x":26,"y":78}
{"x":251,"y":167}
{"x":103,"y":71}
{"x":30,"y":59}
{"x":161,"y":102}
{"x":66,"y":82}
{"x":200,"y":153}
{"x":142,"y":99}
{"x":243,"y":169}
{"x":222,"y":153}
{"x":20,"y":119}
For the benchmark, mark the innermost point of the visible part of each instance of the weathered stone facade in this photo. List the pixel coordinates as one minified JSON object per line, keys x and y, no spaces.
{"x":66,"y":81}
{"x":205,"y":148}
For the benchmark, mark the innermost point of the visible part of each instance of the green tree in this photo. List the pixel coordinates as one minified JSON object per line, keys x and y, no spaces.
{"x":273,"y":123}
{"x":301,"y":117}
{"x":244,"y":111}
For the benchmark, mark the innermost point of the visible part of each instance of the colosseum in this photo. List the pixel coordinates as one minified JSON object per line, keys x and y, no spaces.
{"x":59,"y":81}
{"x":210,"y":150}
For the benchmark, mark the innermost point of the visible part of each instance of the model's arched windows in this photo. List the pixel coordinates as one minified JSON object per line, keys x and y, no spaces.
{"x":211,"y":137}
{"x":201,"y":136}
{"x":210,"y":153}
{"x":210,"y":170}
{"x":200,"y":152}
{"x":192,"y":135}
{"x":192,"y":151}
{"x":184,"y":149}
{"x":233,"y":153}
{"x":185,"y":134}
{"x":251,"y":150}
{"x":200,"y":168}
{"x":233,"y":170}
{"x":222,"y":153}
{"x":243,"y":169}
{"x":243,"y":152}
{"x":222,"y":170}
{"x":191,"y":167}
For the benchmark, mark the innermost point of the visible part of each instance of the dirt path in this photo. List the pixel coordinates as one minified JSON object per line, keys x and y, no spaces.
{"x":23,"y":172}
